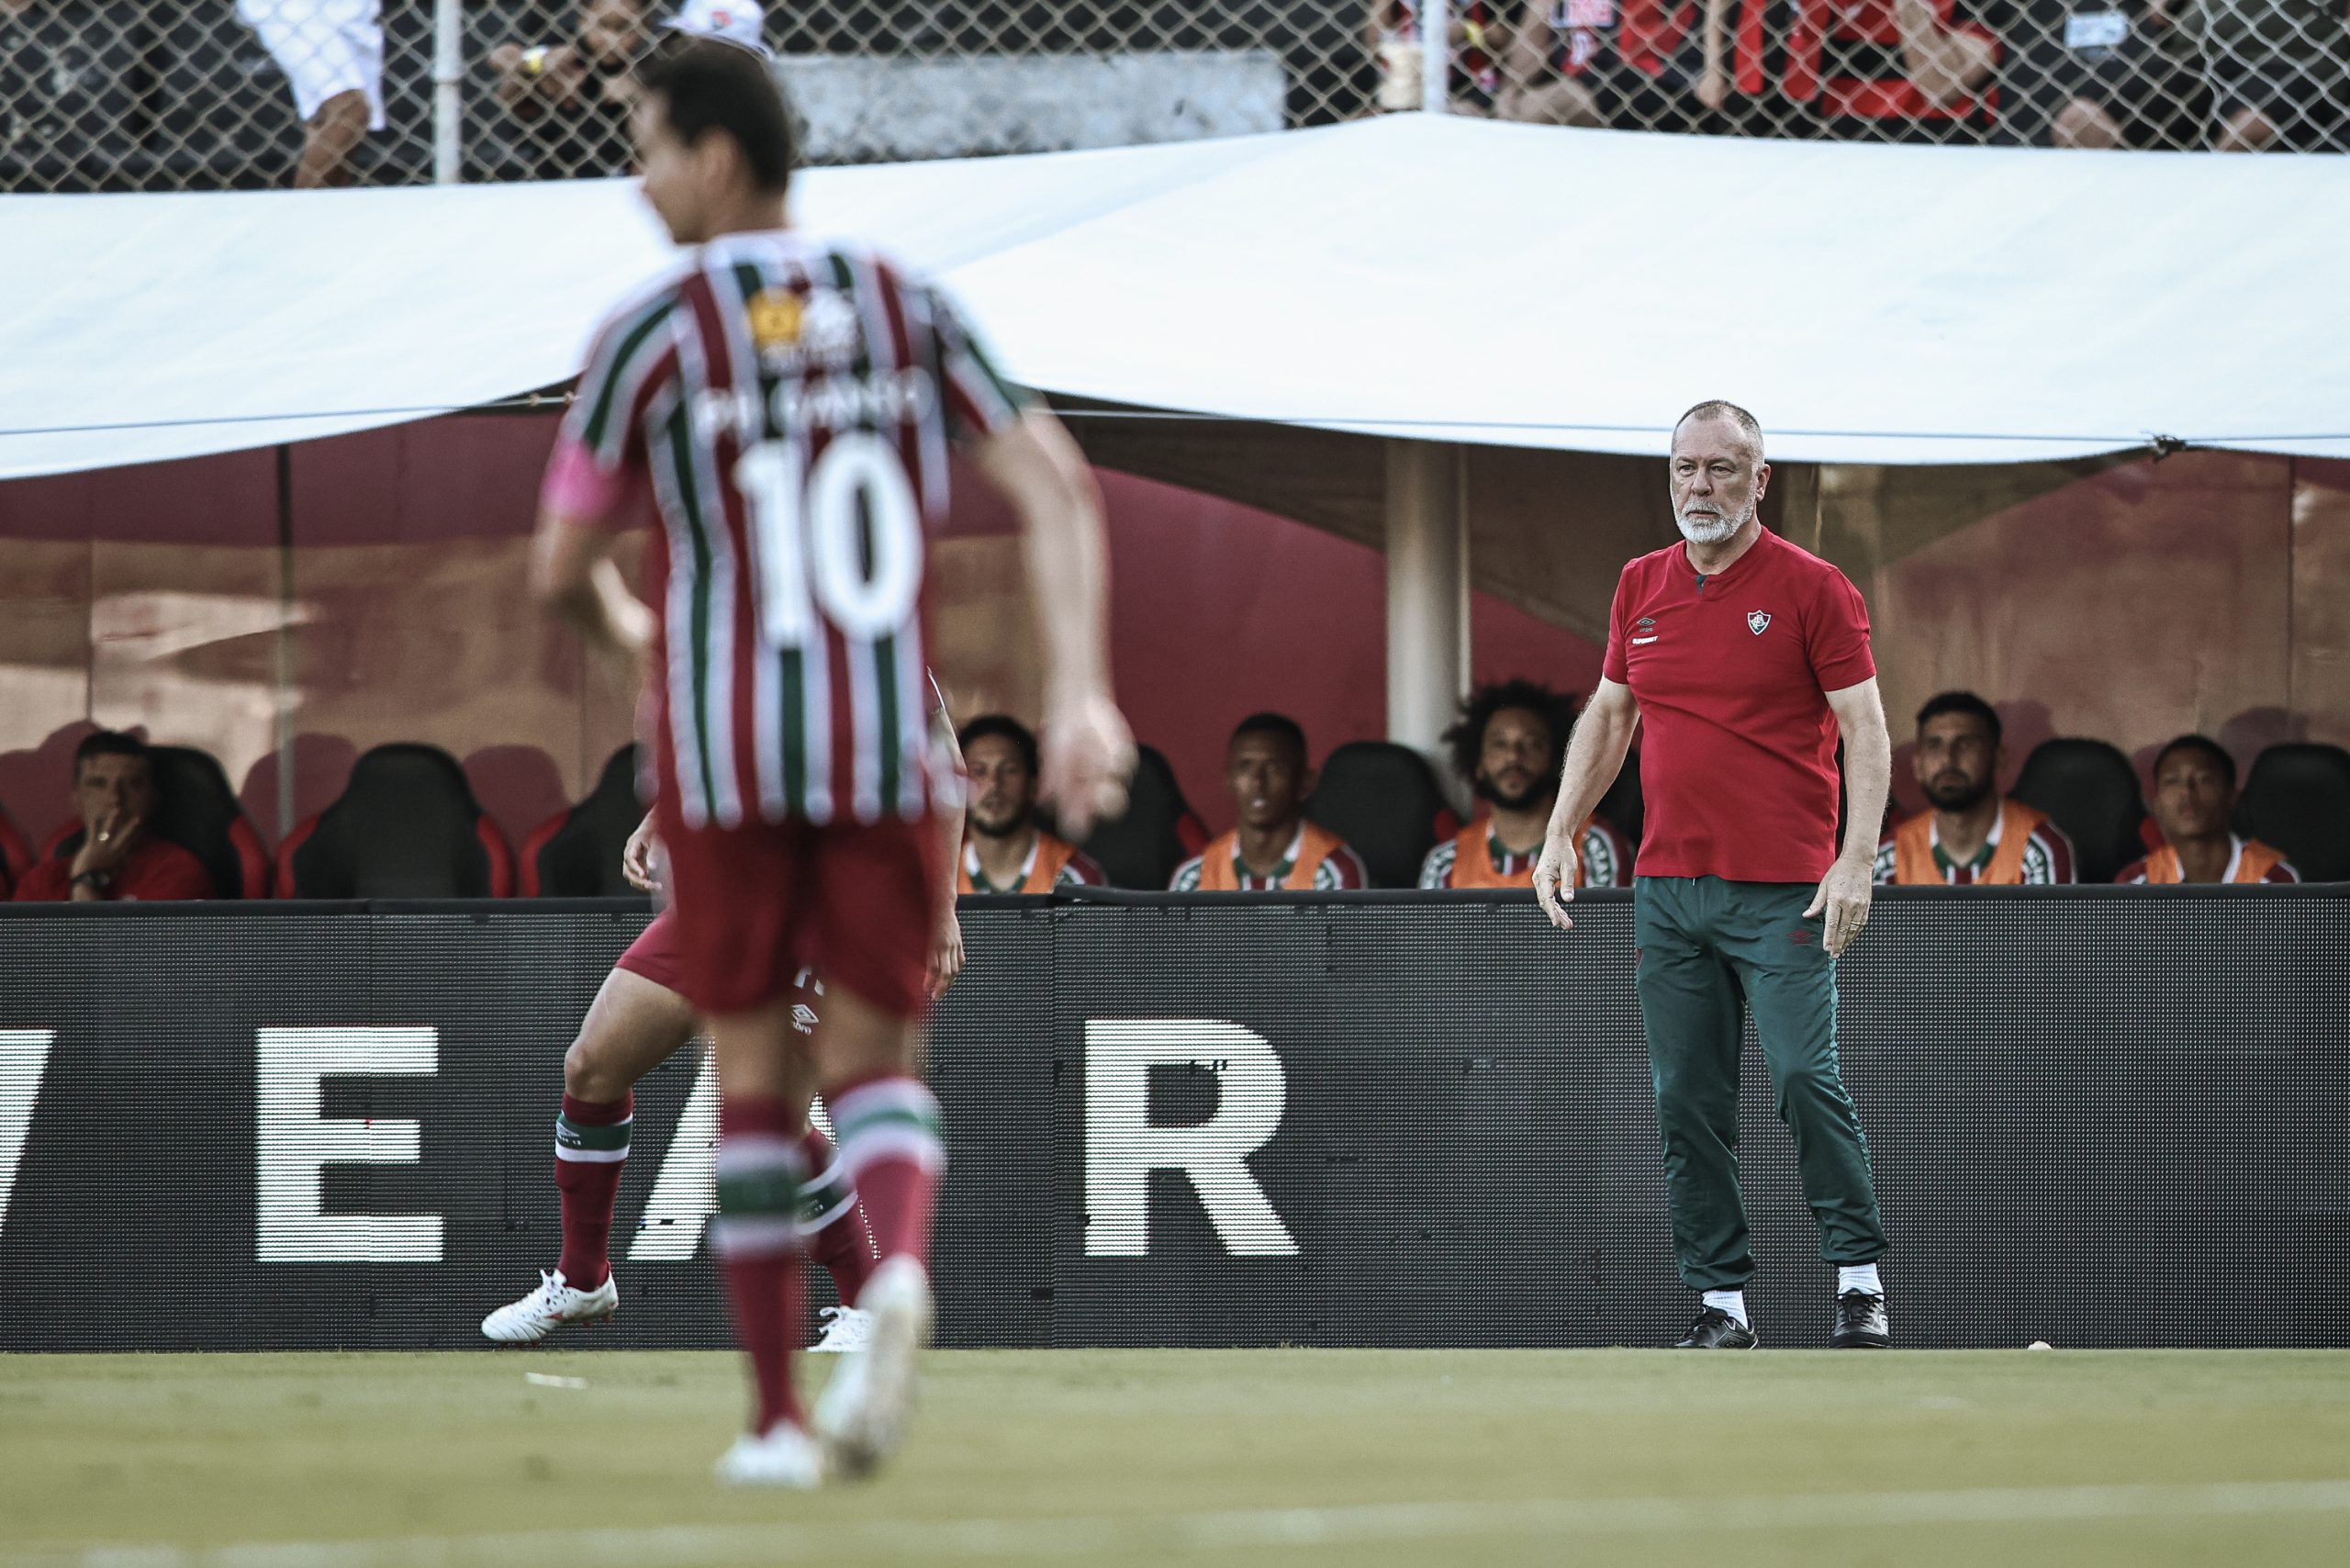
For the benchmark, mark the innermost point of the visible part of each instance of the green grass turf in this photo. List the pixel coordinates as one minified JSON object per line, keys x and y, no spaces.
{"x":205,"y":1451}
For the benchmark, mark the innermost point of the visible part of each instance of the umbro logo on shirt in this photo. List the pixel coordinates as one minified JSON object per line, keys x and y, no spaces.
{"x":1647,"y":627}
{"x":1756,"y":619}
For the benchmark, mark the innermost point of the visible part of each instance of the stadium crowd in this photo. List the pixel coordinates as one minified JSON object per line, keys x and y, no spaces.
{"x":545,"y":85}
{"x":2230,"y":75}
{"x":160,"y":822}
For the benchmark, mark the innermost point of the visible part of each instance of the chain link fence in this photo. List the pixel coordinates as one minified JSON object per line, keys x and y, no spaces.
{"x":2227,"y":75}
{"x":211,"y":94}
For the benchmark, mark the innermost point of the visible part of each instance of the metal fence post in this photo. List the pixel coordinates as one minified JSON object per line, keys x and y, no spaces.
{"x":1436,"y":54}
{"x":448,"y":87}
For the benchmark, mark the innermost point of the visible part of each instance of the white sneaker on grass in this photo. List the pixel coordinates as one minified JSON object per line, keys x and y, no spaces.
{"x":845,"y":1329}
{"x":861,"y":1417}
{"x":784,"y":1457}
{"x":552,"y":1304}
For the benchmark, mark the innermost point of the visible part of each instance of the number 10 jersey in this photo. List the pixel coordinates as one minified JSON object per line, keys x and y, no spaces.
{"x":789,"y":401}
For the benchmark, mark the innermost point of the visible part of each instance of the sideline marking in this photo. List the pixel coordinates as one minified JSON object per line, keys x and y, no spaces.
{"x":684,"y":1546}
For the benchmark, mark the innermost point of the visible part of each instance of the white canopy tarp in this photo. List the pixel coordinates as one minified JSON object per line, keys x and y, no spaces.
{"x":1446,"y":279}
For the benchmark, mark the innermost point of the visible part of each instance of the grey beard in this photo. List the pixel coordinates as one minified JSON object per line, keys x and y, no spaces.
{"x":1712,"y":531}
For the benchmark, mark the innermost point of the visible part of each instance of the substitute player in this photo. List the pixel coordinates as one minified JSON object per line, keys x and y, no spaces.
{"x":1510,"y":742}
{"x":789,"y":404}
{"x":638,"y":1020}
{"x":1744,"y":658}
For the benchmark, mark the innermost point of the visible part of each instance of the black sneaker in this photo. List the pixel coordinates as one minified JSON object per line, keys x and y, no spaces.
{"x":1860,"y":1323}
{"x":1714,"y":1329}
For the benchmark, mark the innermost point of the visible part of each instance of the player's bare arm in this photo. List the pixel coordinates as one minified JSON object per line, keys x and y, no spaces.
{"x":1603,"y":738}
{"x":1089,"y":753}
{"x":1844,"y":893}
{"x":639,"y":858}
{"x":946,"y":947}
{"x":572,"y":575}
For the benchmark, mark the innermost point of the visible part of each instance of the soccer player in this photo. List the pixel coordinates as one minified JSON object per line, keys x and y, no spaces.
{"x":2195,"y":794}
{"x":1742,"y":658}
{"x":1007,"y":851}
{"x":638,"y":1020}
{"x":1511,"y":744}
{"x":1274,"y":847}
{"x":1973,"y":837}
{"x":789,"y":403}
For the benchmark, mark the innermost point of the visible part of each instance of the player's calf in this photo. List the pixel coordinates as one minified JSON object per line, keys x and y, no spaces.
{"x":592,"y":1142}
{"x":757,"y":1239}
{"x":888,"y":1126}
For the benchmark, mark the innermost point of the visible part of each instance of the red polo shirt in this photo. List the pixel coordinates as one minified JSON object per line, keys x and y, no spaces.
{"x":158,"y":869}
{"x":1733,"y":672}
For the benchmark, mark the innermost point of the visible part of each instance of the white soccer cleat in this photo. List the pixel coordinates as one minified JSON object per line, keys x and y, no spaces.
{"x":552,"y":1304}
{"x":845,"y":1329}
{"x":784,"y":1457}
{"x":861,"y":1418}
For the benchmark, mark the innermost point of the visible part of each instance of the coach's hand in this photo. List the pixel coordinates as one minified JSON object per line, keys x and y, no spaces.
{"x":636,"y":859}
{"x":1088,"y":757}
{"x":1844,"y":894}
{"x":1554,"y":888}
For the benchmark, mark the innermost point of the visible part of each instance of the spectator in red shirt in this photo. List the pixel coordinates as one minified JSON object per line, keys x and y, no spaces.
{"x":1919,"y":71}
{"x":115,"y":855}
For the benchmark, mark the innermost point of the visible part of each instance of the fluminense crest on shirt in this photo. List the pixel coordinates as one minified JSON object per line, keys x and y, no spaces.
{"x":1756,"y":619}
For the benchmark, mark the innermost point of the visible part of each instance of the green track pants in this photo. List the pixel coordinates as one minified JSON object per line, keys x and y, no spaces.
{"x":1709,"y":950}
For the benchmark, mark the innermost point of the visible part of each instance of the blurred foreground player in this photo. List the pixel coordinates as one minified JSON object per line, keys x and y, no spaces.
{"x":789,"y":404}
{"x":638,"y":1020}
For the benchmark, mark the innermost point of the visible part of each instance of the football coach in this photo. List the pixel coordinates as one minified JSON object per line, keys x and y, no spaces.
{"x":1746,"y":657}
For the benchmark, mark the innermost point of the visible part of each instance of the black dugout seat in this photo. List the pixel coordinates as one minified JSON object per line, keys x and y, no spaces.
{"x":405,"y":827}
{"x":576,"y":854}
{"x":1158,"y":832}
{"x":2091,"y":790}
{"x":1383,"y":800}
{"x":2298,"y":800}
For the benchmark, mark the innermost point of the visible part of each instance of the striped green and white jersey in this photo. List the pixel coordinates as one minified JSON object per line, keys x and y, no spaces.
{"x":787,"y":404}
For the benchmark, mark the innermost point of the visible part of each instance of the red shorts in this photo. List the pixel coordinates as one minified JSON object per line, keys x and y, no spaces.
{"x":654,"y":953}
{"x":755,"y":905}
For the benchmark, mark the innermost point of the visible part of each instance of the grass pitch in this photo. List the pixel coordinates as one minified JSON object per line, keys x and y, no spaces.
{"x":1313,"y":1457}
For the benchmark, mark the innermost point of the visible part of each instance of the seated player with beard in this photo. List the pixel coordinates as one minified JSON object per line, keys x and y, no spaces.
{"x":1972,"y":838}
{"x":1511,"y":742}
{"x":1005,"y":851}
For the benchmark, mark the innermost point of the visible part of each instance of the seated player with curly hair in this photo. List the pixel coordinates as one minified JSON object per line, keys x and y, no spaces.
{"x":1511,"y":744}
